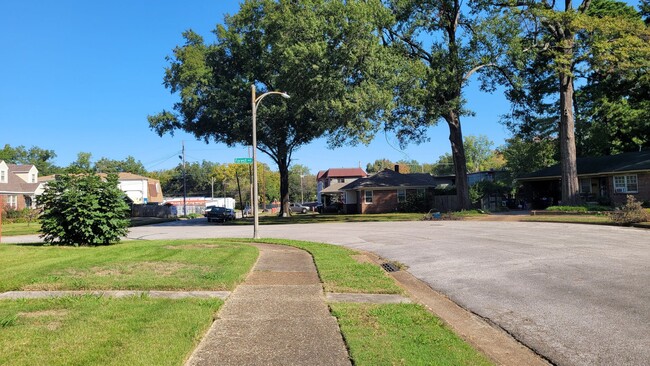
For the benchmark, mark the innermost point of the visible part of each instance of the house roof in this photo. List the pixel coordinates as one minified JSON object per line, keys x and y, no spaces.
{"x":341,"y":173}
{"x":333,"y":188}
{"x":390,"y":179}
{"x":16,"y":168}
{"x":599,"y":165}
{"x":16,"y":184}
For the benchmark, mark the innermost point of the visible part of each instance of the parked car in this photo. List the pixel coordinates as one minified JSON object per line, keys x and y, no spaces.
{"x":297,"y":207}
{"x":311,"y":206}
{"x":221,"y":214}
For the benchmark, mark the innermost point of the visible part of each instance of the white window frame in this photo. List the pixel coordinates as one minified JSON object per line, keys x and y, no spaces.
{"x":3,"y":176}
{"x":624,"y":183}
{"x":401,"y":195}
{"x":366,"y":196}
{"x":12,"y":201}
{"x":422,"y":192}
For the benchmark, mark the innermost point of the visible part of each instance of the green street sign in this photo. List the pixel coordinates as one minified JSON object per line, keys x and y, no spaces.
{"x":243,"y":160}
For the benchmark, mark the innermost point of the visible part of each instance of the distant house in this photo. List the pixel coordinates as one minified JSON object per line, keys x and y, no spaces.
{"x":604,"y":179}
{"x":19,"y":185}
{"x":139,"y":189}
{"x":330,"y":181}
{"x":384,"y":191}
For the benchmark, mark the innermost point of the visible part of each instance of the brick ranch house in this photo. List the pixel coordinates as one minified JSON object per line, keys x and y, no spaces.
{"x":384,"y":191}
{"x":19,"y":185}
{"x":603,"y":179}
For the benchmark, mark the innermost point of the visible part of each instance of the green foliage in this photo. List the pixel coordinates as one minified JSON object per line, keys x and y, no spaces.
{"x":583,"y":208}
{"x":526,"y":156}
{"x":485,"y":188}
{"x":567,"y":208}
{"x":83,"y":209}
{"x":128,"y":165}
{"x":324,"y":54}
{"x":630,"y":213}
{"x":414,"y":203}
{"x":40,"y":158}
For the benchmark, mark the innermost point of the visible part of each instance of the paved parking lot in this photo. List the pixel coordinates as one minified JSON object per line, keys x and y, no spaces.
{"x":576,"y":294}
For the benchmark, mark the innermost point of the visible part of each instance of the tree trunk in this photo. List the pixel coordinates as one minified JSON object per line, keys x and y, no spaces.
{"x":570,"y":187}
{"x":283,"y":167}
{"x":460,"y":160}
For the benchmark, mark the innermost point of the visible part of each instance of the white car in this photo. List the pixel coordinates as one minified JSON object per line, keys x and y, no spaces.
{"x":297,"y":207}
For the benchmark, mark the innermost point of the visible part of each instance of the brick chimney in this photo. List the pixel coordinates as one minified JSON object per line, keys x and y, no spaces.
{"x":396,"y":168}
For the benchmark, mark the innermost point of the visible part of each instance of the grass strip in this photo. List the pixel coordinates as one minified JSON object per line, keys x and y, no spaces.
{"x":340,"y":272}
{"x":92,"y":330}
{"x":314,"y":218}
{"x":20,"y":228}
{"x":206,"y":264}
{"x":401,"y":334}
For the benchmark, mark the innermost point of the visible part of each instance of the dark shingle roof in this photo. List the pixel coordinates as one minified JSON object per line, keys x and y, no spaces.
{"x":626,"y":162}
{"x":391,"y":179}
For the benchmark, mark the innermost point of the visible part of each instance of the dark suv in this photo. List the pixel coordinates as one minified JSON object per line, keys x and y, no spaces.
{"x":221,"y":214}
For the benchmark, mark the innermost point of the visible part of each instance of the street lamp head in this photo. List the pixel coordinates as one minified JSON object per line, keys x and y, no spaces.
{"x":285,"y":95}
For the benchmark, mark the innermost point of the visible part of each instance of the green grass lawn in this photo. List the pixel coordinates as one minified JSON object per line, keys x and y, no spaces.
{"x":20,"y":228}
{"x":313,"y":218}
{"x":138,"y":330}
{"x":401,"y":334}
{"x":134,"y":265}
{"x":90,"y":330}
{"x":574,"y":219}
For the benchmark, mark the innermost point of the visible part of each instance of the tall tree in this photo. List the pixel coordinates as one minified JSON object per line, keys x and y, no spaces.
{"x":128,"y":165}
{"x":322,"y":53}
{"x":40,"y":158}
{"x":563,"y":42}
{"x":462,"y":43}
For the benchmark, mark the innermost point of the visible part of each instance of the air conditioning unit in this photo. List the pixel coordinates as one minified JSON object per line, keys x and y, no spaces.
{"x":620,"y":190}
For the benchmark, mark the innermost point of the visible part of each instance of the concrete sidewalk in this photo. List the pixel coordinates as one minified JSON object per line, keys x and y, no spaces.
{"x":278,"y":316}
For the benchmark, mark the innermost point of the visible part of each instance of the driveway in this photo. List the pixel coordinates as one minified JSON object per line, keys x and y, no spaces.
{"x":576,"y":294}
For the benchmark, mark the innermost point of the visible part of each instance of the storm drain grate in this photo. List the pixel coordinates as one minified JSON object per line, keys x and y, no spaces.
{"x":389,"y":267}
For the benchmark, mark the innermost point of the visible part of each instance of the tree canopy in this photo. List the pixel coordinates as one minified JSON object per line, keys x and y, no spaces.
{"x":319,"y":52}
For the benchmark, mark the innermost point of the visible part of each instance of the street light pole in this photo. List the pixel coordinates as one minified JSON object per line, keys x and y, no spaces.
{"x":255,"y":101}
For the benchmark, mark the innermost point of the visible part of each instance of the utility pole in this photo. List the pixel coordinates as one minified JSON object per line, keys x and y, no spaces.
{"x":184,"y":182}
{"x":212,"y":196}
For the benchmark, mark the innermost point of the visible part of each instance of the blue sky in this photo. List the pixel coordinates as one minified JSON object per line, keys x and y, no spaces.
{"x":83,"y":76}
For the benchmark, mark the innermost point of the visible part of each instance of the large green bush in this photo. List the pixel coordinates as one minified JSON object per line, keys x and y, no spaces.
{"x":83,"y":209}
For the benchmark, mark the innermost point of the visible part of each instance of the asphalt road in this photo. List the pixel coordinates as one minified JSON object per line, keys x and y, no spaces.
{"x":576,"y":294}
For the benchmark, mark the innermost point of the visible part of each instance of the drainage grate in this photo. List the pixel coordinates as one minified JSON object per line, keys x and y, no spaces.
{"x":389,"y":267}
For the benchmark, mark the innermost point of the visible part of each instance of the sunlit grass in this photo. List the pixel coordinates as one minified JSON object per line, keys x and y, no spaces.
{"x":401,"y":334}
{"x":90,"y":330}
{"x":207,"y":264}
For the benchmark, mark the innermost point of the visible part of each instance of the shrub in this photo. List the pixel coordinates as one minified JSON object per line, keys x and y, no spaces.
{"x":567,"y":208}
{"x":12,"y":215}
{"x":630,"y":213}
{"x":414,"y":203}
{"x":83,"y":210}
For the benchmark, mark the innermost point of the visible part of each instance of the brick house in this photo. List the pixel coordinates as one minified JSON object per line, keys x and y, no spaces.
{"x":602,"y":179}
{"x":384,"y":191}
{"x":330,"y":181}
{"x":19,"y":185}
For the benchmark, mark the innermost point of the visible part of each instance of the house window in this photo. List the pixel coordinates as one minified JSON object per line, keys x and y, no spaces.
{"x":341,"y":180}
{"x":368,"y":196}
{"x":12,"y":201}
{"x":421,"y":192}
{"x":401,"y":195}
{"x":3,"y":176}
{"x":585,"y":185}
{"x":33,"y":178}
{"x":626,"y":184}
